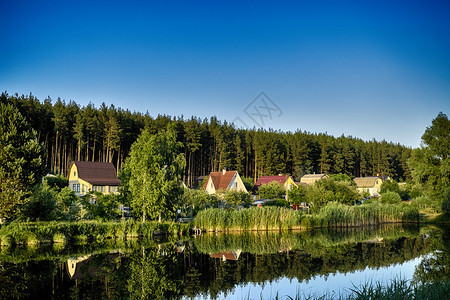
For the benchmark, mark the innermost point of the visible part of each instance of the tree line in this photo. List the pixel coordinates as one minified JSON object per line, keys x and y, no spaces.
{"x":71,"y":132}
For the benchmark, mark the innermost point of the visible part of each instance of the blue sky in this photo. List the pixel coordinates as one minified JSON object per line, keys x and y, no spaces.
{"x":370,"y":70}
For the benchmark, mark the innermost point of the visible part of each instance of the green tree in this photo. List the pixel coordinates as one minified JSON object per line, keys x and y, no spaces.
{"x":233,"y":197}
{"x":272,"y":190}
{"x":41,"y":205}
{"x":430,"y":165}
{"x":389,"y":186}
{"x":21,"y":160}
{"x":390,"y":197}
{"x":297,"y":194}
{"x":155,"y":167}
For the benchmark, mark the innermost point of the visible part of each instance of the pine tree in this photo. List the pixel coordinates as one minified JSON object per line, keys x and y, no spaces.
{"x":21,"y":160}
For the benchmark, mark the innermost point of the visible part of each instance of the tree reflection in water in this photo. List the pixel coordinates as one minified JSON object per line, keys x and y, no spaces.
{"x":214,"y":264}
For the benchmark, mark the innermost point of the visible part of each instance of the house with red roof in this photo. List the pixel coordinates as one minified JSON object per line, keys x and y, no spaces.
{"x":285,"y":180}
{"x":86,"y":176}
{"x":222,"y":181}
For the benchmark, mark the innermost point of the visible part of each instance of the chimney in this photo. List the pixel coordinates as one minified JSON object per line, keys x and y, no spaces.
{"x":224,"y":170}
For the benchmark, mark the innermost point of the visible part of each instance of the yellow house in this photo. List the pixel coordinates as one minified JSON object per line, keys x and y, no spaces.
{"x":369,"y":184}
{"x":86,"y":176}
{"x":225,"y":180}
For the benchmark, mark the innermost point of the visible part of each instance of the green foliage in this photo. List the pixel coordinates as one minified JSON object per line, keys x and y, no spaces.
{"x":234,"y":197}
{"x":248,"y":183}
{"x":65,"y":199}
{"x":255,"y":218}
{"x":41,"y":205}
{"x":327,"y":190}
{"x":271,"y":190}
{"x":278,"y":202}
{"x":57,"y":182}
{"x":155,"y":167}
{"x":196,"y":199}
{"x":390,"y":198}
{"x":430,"y":165}
{"x":445,"y":206}
{"x":21,"y":160}
{"x":338,"y":215}
{"x":297,"y":194}
{"x":103,"y":207}
{"x":342,"y":178}
{"x":83,"y":231}
{"x":389,"y":186}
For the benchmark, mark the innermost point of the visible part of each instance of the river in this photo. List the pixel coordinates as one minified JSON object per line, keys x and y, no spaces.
{"x":250,"y":265}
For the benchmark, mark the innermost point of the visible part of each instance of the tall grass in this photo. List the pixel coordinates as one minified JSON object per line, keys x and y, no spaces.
{"x":338,"y":215}
{"x":279,"y":218}
{"x":255,"y":218}
{"x":82,"y":232}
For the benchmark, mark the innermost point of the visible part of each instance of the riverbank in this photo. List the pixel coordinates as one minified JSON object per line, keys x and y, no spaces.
{"x":278,"y":218}
{"x":31,"y":233}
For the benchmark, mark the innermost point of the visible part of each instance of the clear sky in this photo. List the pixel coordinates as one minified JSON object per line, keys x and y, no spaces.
{"x":378,"y":69}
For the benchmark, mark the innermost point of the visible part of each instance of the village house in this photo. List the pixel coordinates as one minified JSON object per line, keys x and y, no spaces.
{"x":285,"y":180}
{"x":227,"y":255}
{"x":223,"y":181}
{"x":312,"y":178}
{"x":369,"y":184}
{"x":86,"y":176}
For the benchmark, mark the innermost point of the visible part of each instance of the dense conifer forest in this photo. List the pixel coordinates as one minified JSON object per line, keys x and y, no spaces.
{"x":71,"y":132}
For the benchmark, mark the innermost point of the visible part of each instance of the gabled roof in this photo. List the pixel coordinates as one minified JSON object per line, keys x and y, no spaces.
{"x":281,"y":179}
{"x":220,"y":180}
{"x":365,"y":182}
{"x":97,"y":173}
{"x":227,"y":255}
{"x":313,"y":176}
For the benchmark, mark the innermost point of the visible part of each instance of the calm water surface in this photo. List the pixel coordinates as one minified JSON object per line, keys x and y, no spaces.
{"x":226,"y":266}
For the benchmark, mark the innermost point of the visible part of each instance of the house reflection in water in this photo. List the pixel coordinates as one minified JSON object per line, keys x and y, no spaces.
{"x":86,"y":267}
{"x":227,"y":255}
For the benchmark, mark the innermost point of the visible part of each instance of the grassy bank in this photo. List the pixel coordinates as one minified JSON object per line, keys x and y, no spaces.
{"x":255,"y":218}
{"x":278,"y":218}
{"x":336,"y":215}
{"x":83,"y":232}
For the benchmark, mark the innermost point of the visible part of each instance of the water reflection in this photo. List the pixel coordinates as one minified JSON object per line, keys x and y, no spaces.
{"x":215,"y":265}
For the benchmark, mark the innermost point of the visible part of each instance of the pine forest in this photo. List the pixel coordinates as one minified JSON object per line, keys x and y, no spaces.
{"x":70,"y":132}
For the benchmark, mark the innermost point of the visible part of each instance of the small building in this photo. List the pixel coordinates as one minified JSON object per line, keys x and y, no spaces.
{"x":222,"y":181}
{"x":86,"y":176}
{"x":312,"y":178}
{"x":285,"y":180}
{"x":370,"y":184}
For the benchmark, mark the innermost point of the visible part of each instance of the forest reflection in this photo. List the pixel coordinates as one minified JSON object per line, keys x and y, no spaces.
{"x":214,"y":264}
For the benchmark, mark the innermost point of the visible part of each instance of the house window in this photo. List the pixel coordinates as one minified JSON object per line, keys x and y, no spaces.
{"x":74,"y":187}
{"x":211,"y":185}
{"x":78,"y":188}
{"x":235,"y":184}
{"x":75,"y":173}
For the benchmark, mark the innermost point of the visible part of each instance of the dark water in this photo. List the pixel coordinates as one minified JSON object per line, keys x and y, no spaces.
{"x":232,"y":266}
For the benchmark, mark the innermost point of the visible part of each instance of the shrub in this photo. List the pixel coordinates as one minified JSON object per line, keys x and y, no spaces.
{"x":390,"y":198}
{"x":272,"y":190}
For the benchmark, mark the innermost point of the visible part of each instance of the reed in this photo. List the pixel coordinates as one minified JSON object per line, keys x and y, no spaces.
{"x":255,"y":218}
{"x":338,"y":215}
{"x":80,"y":232}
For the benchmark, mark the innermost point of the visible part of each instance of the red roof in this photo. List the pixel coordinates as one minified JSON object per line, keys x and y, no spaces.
{"x":97,"y":173}
{"x":220,"y":180}
{"x":227,"y":255}
{"x":281,"y":179}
